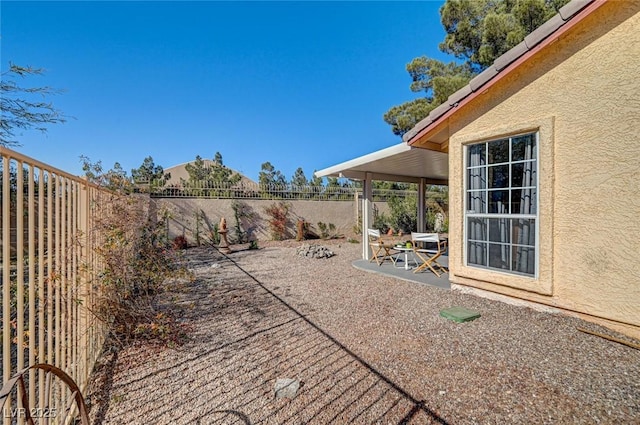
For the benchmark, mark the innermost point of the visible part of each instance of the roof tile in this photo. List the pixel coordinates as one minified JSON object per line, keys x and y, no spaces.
{"x":439,"y":111}
{"x":568,"y":10}
{"x":506,"y":58}
{"x":480,"y":79}
{"x":544,"y":31}
{"x":456,"y":97}
{"x":416,"y":128}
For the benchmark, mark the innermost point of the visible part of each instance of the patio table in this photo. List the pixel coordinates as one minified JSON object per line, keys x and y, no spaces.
{"x":404,"y":250}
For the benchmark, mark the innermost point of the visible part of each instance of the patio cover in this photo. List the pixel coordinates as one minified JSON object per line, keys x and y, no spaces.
{"x":399,"y":163}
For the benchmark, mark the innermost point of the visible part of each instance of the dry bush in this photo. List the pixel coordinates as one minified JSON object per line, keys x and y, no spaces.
{"x":278,"y":219}
{"x":136,"y":260}
{"x":180,"y":242}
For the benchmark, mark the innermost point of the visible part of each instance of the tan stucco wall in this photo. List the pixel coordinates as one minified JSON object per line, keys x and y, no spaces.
{"x":582,"y":93}
{"x":342,"y":214}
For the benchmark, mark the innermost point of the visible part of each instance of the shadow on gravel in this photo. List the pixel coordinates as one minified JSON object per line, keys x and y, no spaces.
{"x":103,"y":382}
{"x":418,"y":407}
{"x":246,"y":337}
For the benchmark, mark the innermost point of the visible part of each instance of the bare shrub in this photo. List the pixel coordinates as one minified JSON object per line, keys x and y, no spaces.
{"x":278,"y":220}
{"x":135,"y":260}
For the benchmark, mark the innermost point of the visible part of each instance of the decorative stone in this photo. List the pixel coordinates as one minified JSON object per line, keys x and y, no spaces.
{"x":314,"y":251}
{"x":286,"y":388}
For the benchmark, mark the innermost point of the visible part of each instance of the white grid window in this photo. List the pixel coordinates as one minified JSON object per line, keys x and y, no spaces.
{"x":501,"y":204}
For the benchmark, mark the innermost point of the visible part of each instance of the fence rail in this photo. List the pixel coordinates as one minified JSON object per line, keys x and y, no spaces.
{"x":48,"y":264}
{"x":245,"y":190}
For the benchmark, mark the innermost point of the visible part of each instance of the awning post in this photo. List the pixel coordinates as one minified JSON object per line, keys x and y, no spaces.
{"x":422,"y":188}
{"x":367,"y":212}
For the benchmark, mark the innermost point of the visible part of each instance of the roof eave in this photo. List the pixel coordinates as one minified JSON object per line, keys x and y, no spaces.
{"x":420,"y":136}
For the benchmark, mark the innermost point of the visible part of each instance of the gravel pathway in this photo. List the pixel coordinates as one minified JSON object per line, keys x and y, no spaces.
{"x":366,"y":349}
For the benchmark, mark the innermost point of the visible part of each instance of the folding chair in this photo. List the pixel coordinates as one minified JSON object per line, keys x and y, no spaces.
{"x":380,"y":250}
{"x":428,"y":248}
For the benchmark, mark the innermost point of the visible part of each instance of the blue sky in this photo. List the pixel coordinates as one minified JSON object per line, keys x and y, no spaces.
{"x":298,"y":84}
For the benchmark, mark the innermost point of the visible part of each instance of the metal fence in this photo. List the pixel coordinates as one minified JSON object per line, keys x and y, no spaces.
{"x":48,"y":264}
{"x":247,"y":190}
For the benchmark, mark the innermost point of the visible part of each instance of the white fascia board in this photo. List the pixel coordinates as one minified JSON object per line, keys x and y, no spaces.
{"x":347,"y":167}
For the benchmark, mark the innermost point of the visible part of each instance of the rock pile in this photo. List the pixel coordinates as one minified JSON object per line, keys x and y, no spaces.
{"x":314,"y":251}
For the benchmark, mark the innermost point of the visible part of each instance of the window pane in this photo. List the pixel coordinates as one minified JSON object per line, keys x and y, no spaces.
{"x":499,"y":230}
{"x":523,"y":147}
{"x":498,"y":176}
{"x":477,"y":229}
{"x":477,"y":253}
{"x":477,"y":178}
{"x":499,"y":201}
{"x":523,"y":174}
{"x":476,"y":202}
{"x":499,"y":256}
{"x":523,"y":201}
{"x":517,"y":170}
{"x":523,"y":232}
{"x":498,"y":151}
{"x":524,"y":260}
{"x":530,"y":176}
{"x":476,"y":155}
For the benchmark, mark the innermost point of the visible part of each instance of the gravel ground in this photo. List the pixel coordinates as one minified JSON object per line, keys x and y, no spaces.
{"x":367,"y":349}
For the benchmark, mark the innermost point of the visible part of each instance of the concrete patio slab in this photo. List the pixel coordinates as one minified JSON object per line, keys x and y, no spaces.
{"x":398,"y":271}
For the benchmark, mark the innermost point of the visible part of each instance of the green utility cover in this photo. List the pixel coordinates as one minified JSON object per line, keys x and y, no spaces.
{"x":459,"y":314}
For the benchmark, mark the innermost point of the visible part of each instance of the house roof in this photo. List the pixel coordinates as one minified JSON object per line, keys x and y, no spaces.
{"x":400,"y":162}
{"x":429,"y":131}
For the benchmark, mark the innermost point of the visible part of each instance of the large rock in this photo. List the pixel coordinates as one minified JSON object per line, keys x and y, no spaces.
{"x":286,"y":388}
